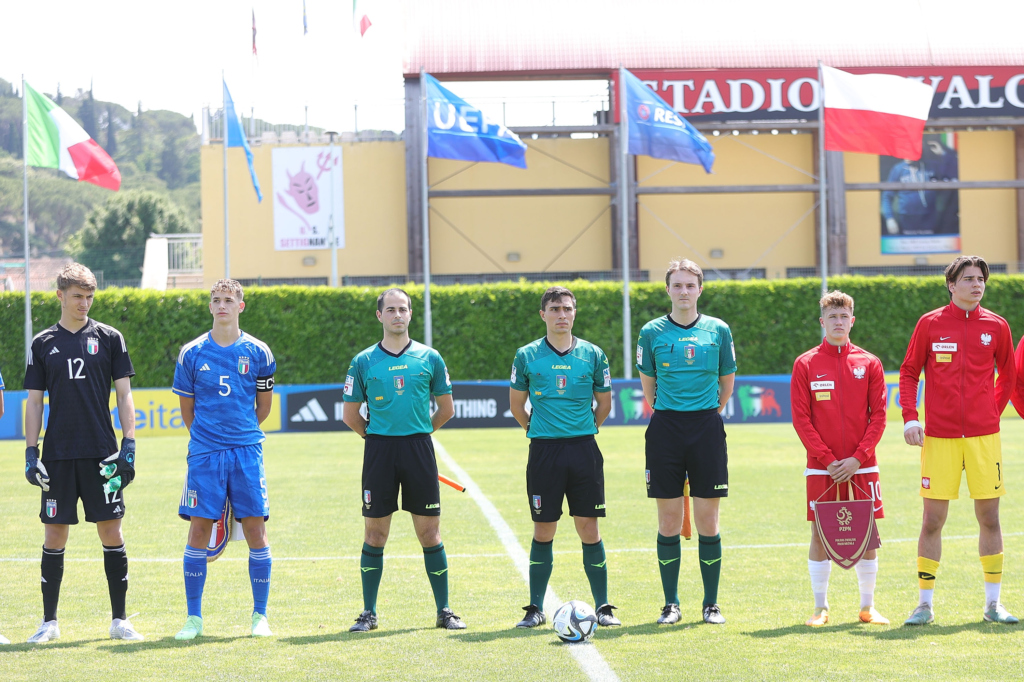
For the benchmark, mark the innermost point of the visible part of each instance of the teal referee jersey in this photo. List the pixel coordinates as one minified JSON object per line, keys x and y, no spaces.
{"x":561,"y":386}
{"x":397,"y":388}
{"x":686,"y":361}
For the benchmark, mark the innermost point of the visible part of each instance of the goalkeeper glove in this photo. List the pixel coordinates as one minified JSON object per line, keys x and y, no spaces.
{"x":35,"y":472}
{"x":122,"y":465}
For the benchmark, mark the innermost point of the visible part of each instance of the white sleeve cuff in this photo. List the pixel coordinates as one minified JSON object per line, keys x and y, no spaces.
{"x":911,"y":424}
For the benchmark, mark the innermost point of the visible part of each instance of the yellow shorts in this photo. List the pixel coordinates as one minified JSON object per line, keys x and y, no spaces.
{"x":943,"y":459}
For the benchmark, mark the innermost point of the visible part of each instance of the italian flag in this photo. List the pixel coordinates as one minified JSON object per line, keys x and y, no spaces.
{"x":360,"y":19}
{"x":55,"y":140}
{"x":874,"y":113}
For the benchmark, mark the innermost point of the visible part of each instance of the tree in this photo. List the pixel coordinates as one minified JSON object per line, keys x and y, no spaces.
{"x":87,"y":113}
{"x":171,"y":167}
{"x":111,"y":131}
{"x":114,"y":237}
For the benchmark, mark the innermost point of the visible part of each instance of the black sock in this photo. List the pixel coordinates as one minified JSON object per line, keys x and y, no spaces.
{"x":52,"y":570}
{"x":115,"y":563}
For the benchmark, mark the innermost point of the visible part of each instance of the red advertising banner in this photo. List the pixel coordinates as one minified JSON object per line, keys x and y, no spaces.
{"x":792,"y":94}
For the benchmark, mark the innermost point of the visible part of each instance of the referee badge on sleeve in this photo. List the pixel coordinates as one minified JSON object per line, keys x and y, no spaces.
{"x":607,"y":378}
{"x":349,"y":383}
{"x":513,"y":379}
{"x":639,"y":354}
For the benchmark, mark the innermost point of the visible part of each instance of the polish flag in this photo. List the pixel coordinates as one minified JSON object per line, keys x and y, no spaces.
{"x":874,"y":113}
{"x":360,"y":19}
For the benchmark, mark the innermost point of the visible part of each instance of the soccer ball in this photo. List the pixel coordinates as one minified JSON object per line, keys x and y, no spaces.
{"x":574,"y":621}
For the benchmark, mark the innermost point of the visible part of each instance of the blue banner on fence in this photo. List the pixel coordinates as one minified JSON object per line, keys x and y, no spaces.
{"x":478,"y":404}
{"x":458,"y":130}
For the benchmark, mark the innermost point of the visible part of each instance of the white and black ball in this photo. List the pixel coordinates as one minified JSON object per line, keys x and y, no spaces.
{"x":574,"y":621}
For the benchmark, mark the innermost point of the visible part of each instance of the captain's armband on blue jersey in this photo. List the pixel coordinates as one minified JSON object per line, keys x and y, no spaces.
{"x":264,"y":384}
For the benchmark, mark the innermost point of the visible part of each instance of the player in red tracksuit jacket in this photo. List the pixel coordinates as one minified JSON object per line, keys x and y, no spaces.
{"x":838,"y":400}
{"x":959,"y":347}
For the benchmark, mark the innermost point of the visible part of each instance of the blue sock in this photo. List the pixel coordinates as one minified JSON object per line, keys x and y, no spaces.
{"x":195,"y":579}
{"x":259,"y":574}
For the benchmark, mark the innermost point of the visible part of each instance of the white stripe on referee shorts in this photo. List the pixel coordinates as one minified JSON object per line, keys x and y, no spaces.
{"x":823,"y":472}
{"x":587,"y":656}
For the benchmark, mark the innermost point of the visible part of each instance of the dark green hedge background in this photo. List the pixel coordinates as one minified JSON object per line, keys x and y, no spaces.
{"x":314,"y":332}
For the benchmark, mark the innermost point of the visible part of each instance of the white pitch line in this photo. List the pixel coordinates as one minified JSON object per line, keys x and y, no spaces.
{"x":587,"y":656}
{"x":419,"y":557}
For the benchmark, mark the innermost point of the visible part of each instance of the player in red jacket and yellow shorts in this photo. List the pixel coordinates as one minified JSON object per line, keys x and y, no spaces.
{"x":959,"y":347}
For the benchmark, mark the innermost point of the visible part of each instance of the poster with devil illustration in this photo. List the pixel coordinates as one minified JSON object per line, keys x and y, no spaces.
{"x":302,"y":198}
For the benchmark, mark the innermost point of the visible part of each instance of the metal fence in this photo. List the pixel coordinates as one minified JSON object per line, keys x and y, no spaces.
{"x":893,"y":270}
{"x":184,"y":253}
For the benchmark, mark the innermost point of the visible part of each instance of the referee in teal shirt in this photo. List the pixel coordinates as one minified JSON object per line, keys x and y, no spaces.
{"x":687,"y":364}
{"x":562,"y":376}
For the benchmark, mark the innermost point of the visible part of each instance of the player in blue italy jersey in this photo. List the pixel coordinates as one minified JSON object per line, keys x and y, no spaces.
{"x":396,"y":378}
{"x":562,"y":376}
{"x":225,"y":384}
{"x":687,"y":365}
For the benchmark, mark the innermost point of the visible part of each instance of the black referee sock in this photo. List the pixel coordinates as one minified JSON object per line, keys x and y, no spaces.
{"x":52,"y":570}
{"x":115,"y":564}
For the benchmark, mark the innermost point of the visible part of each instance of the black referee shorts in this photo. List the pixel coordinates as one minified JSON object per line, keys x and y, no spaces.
{"x":565,"y":467}
{"x":687,"y":444}
{"x":78,"y":479}
{"x":406,"y":462}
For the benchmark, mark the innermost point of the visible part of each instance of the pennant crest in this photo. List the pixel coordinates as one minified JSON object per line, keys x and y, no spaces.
{"x":366,"y":498}
{"x":846,"y":528}
{"x":561,"y":381}
{"x":221,"y":533}
{"x":690,"y":352}
{"x":400,"y":383}
{"x":51,"y":508}
{"x":243,"y":365}
{"x":93,"y":346}
{"x":536,"y":501}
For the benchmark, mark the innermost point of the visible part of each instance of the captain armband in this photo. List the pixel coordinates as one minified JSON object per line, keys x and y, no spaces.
{"x":264,"y":384}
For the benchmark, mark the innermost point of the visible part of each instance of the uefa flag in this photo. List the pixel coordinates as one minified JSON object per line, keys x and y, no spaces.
{"x":656,"y":130}
{"x":457,"y":130}
{"x":235,"y":137}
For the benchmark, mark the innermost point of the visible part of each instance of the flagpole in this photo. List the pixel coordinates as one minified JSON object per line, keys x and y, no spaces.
{"x":823,"y":220}
{"x":224,"y":127}
{"x":627,"y":332}
{"x":28,"y":285}
{"x":428,"y":322}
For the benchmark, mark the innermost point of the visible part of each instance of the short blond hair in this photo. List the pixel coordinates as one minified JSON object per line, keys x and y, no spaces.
{"x":684,"y":265}
{"x":76,"y":275}
{"x":835,"y":299}
{"x":231,"y":285}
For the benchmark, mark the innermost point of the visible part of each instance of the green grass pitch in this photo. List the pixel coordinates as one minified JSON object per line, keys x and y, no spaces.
{"x":316,"y":534}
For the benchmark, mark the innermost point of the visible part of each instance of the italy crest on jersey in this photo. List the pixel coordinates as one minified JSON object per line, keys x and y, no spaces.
{"x":690,"y":352}
{"x":561,"y":381}
{"x":191,"y":499}
{"x":243,"y":365}
{"x":51,"y":508}
{"x":536,"y":501}
{"x":93,"y":346}
{"x":399,"y":383}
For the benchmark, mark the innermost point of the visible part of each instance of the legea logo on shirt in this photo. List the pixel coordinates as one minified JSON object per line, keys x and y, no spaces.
{"x":823,"y":385}
{"x":943,"y":347}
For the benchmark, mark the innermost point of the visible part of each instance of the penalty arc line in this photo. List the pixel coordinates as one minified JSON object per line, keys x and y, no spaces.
{"x":587,"y":656}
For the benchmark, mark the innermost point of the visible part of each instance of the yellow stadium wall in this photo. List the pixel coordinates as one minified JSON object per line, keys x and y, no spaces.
{"x":752,"y":230}
{"x":770,"y":231}
{"x":375,"y":234}
{"x":988,"y":217}
{"x":536,"y":228}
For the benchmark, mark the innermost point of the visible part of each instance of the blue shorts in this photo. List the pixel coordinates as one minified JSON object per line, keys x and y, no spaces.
{"x":236,"y":474}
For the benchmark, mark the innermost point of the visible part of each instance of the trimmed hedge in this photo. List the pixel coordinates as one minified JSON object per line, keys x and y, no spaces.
{"x":314,"y":332}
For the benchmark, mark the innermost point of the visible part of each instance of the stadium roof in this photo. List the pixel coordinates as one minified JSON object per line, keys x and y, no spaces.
{"x":472,"y":39}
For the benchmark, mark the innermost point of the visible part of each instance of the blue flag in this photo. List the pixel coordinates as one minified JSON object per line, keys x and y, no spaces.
{"x":457,"y":130}
{"x":655,"y":129}
{"x":235,"y":137}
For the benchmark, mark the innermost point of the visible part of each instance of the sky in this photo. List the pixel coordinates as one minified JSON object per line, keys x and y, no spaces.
{"x":170,"y":56}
